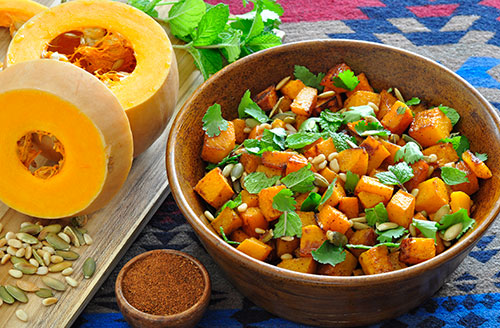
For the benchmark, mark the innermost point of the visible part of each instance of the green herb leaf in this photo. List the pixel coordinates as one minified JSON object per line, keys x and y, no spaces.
{"x":340,"y":141}
{"x":401,"y":110}
{"x":451,"y":113}
{"x":459,"y":216}
{"x":229,"y":41}
{"x":397,"y":174}
{"x":248,"y":107}
{"x":377,"y":214}
{"x":389,"y":235}
{"x":283,"y":201}
{"x":311,"y":80}
{"x":213,"y":123}
{"x":184,"y":16}
{"x":410,"y":153}
{"x":274,"y":138}
{"x":300,"y":181}
{"x":453,"y":176}
{"x":310,"y":125}
{"x":389,"y":90}
{"x":301,"y":139}
{"x":256,"y":28}
{"x":328,"y":192}
{"x":330,"y":121}
{"x":460,"y":144}
{"x":230,"y":242}
{"x":254,"y":147}
{"x":482,"y":157}
{"x":427,"y":228}
{"x":263,"y":41}
{"x":351,"y":182}
{"x":147,"y":6}
{"x":364,"y":129}
{"x":356,"y":113}
{"x":256,"y":181}
{"x":327,"y":253}
{"x":232,"y":204}
{"x":346,"y":80}
{"x":369,"y":247}
{"x":289,"y":224}
{"x":271,"y":5}
{"x":311,"y":203}
{"x":212,"y":23}
{"x":208,"y":61}
{"x":226,"y":160}
{"x":413,"y":101}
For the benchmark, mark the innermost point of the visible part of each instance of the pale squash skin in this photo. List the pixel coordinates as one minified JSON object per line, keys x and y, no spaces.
{"x":89,"y":122}
{"x":149,"y":94}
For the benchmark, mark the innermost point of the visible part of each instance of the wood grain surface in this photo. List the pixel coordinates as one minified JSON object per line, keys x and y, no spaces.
{"x":113,"y":228}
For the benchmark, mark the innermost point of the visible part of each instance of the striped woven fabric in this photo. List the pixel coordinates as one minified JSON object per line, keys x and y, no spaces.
{"x":462,"y":35}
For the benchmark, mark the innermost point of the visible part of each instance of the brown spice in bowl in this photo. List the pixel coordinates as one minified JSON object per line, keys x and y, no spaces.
{"x":163,"y":284}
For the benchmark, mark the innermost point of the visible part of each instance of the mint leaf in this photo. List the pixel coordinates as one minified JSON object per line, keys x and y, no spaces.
{"x":310,"y":125}
{"x":453,"y":176}
{"x":390,"y":235}
{"x":401,"y":110}
{"x":351,"y":182}
{"x":208,"y":61}
{"x":230,"y":242}
{"x":255,"y":147}
{"x":369,"y":247}
{"x":413,"y":101}
{"x":482,"y":157}
{"x":356,"y":113}
{"x":311,"y":80}
{"x":301,"y":139}
{"x":300,"y":181}
{"x":460,"y":144}
{"x":184,"y":16}
{"x":270,"y":5}
{"x":289,"y":224}
{"x":256,"y":28}
{"x":459,"y":216}
{"x":340,"y":141}
{"x":311,"y":203}
{"x":327,"y":253}
{"x":450,"y":113}
{"x":256,"y":181}
{"x":226,"y":160}
{"x":364,"y":129}
{"x":263,"y":41}
{"x":427,"y":228}
{"x":275,"y":138}
{"x":410,"y":153}
{"x":346,"y":80}
{"x":377,"y":214}
{"x":147,"y":6}
{"x":231,"y":204}
{"x":283,"y":201}
{"x":397,"y":174}
{"x":229,"y":41}
{"x":212,"y":23}
{"x":248,"y":107}
{"x":330,"y":121}
{"x":213,"y":123}
{"x":328,"y":192}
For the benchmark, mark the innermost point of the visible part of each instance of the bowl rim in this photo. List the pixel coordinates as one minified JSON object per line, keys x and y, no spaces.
{"x":265,"y":268}
{"x":205,"y":296}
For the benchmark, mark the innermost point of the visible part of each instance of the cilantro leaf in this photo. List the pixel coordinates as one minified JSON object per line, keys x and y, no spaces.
{"x":351,"y":182}
{"x":184,"y":16}
{"x":300,"y":181}
{"x":212,"y":23}
{"x":256,"y":181}
{"x":377,"y":214}
{"x":311,"y":80}
{"x":460,"y":144}
{"x":283,"y":201}
{"x":410,"y":153}
{"x":482,"y":157}
{"x":147,"y":6}
{"x":213,"y":123}
{"x":310,"y":125}
{"x":397,"y":174}
{"x":346,"y":80}
{"x":369,"y":247}
{"x":357,"y":113}
{"x":427,"y":228}
{"x":328,"y":192}
{"x":289,"y":224}
{"x":311,"y":203}
{"x":451,"y":113}
{"x":301,"y":139}
{"x":389,"y":235}
{"x":230,"y":242}
{"x":459,"y":216}
{"x":413,"y":101}
{"x":364,"y":128}
{"x":328,"y":253}
{"x":226,"y":160}
{"x":340,"y":141}
{"x":330,"y":121}
{"x":232,"y":203}
{"x":453,"y":176}
{"x":248,"y":107}
{"x":275,"y":138}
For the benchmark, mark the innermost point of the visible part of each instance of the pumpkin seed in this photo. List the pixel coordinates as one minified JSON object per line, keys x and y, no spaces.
{"x":326,"y":94}
{"x":49,"y":249}
{"x":5,"y":296}
{"x":72,"y":282}
{"x":78,"y":234}
{"x":320,"y":180}
{"x":82,"y":230}
{"x":17,"y":293}
{"x":237,"y":171}
{"x":68,"y":255}
{"x":28,"y":253}
{"x":15,"y":243}
{"x":64,"y":237}
{"x":15,"y":273}
{"x":227,"y":170}
{"x":56,"y":259}
{"x":251,"y":123}
{"x":37,"y":257}
{"x":361,"y":219}
{"x":336,"y":238}
{"x":20,"y":252}
{"x":54,"y":283}
{"x":44,"y":293}
{"x":41,"y":271}
{"x":444,"y":210}
{"x":32,"y":229}
{"x":58,"y":267}
{"x":88,"y":268}
{"x":46,"y":258}
{"x":49,"y":301}
{"x":34,"y":262}
{"x":21,"y":315}
{"x":359,"y":226}
{"x":282,"y":82}
{"x":79,"y":221}
{"x":283,"y":116}
{"x":10,"y":235}
{"x":3,"y":242}
{"x":25,"y":268}
{"x":27,"y":238}
{"x":56,"y":242}
{"x":88,"y":239}
{"x":398,"y":95}
{"x":453,"y":232}
{"x":67,"y":271}
{"x":386,"y":226}
{"x":27,"y":286}
{"x":15,"y":259}
{"x":55,"y":228}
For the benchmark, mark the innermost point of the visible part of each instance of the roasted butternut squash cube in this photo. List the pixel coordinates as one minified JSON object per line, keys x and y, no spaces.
{"x":285,"y":103}
{"x":396,"y":263}
{"x":266,"y":202}
{"x":301,"y":264}
{"x":363,"y":85}
{"x":373,"y":186}
{"x":344,"y":268}
{"x":385,"y":105}
{"x":459,"y":200}
{"x":286,"y":247}
{"x":267,"y":98}
{"x":255,"y":248}
{"x":252,"y":200}
{"x":238,"y":235}
{"x":228,"y":219}
{"x":468,"y":187}
{"x":295,"y":163}
{"x":239,"y":127}
{"x":331,"y":74}
{"x":365,"y":237}
{"x":305,"y":101}
{"x":392,"y":149}
{"x":292,"y":88}
{"x":217,"y":147}
{"x":420,"y":174}
{"x":252,"y":219}
{"x":329,"y":175}
{"x":214,"y":188}
{"x":444,"y":151}
{"x":269,"y":171}
{"x":377,"y":153}
{"x":276,"y":159}
{"x":354,"y":160}
{"x":401,"y":208}
{"x":439,"y":244}
{"x":369,"y":200}
{"x":330,"y":218}
{"x":300,"y":198}
{"x":299,"y":119}
{"x":432,"y":195}
{"x":430,"y":126}
{"x":326,"y":147}
{"x":398,"y":118}
{"x":250,"y":162}
{"x":349,"y":206}
{"x":476,"y":165}
{"x":337,"y":194}
{"x":257,"y":132}
{"x":360,"y":98}
{"x":307,"y":218}
{"x":311,"y":150}
{"x":312,"y":238}
{"x":417,"y":250}
{"x":376,"y":260}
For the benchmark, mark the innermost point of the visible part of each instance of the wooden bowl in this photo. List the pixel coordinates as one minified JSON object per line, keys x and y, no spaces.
{"x":186,"y":319}
{"x":325,"y":300}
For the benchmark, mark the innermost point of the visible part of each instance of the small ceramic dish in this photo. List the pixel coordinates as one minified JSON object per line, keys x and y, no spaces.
{"x":188,"y":318}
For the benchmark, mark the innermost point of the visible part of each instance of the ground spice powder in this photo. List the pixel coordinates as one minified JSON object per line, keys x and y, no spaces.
{"x":163,"y":284}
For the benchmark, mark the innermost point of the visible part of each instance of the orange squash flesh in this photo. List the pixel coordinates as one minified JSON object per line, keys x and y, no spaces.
{"x":14,"y":13}
{"x":149,"y":93}
{"x":91,"y":135}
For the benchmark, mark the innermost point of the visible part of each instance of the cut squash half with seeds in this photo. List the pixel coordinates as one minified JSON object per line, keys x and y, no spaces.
{"x":65,"y":147}
{"x":14,"y":13}
{"x":119,"y":44}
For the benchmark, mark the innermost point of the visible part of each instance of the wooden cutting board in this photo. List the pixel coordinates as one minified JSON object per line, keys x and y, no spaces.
{"x":113,"y":228}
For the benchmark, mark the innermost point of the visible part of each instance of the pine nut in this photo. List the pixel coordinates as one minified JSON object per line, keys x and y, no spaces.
{"x":64,"y":237}
{"x":247,"y":130}
{"x":88,"y":239}
{"x":243,"y":207}
{"x":398,"y":95}
{"x":209,"y":216}
{"x":326,"y":94}
{"x":287,"y":238}
{"x":49,"y":249}
{"x":360,"y":219}
{"x":41,"y":271}
{"x":15,"y":243}
{"x":67,"y":271}
{"x":34,"y":263}
{"x":450,"y":164}
{"x":3,"y":242}
{"x":37,"y":246}
{"x":414,"y":192}
{"x":21,"y":315}
{"x":15,"y":273}
{"x":413,"y":230}
{"x":266,"y":126}
{"x":332,"y":156}
{"x":343,"y":176}
{"x":20,"y":252}
{"x":260,"y":231}
{"x":1,"y":227}
{"x":373,"y":106}
{"x":315,"y":189}
{"x":322,"y":165}
{"x":446,"y":243}
{"x":359,"y":226}
{"x":227,"y":170}
{"x":1,"y":254}
{"x":72,"y":282}
{"x":11,"y":250}
{"x":334,"y":165}
{"x":46,"y":258}
{"x":49,"y":301}
{"x":386,"y":226}
{"x":431,"y":170}
{"x":56,"y":259}
{"x":10,"y":235}
{"x":433,"y":158}
{"x":286,"y":256}
{"x":5,"y":258}
{"x":28,"y":253}
{"x":318,"y":159}
{"x":290,"y":128}
{"x":282,"y":82}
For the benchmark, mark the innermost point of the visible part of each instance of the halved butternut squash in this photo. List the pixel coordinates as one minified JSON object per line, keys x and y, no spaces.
{"x":14,"y":13}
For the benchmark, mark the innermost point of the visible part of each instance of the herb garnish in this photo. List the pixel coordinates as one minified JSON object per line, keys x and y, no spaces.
{"x":397,"y":175}
{"x":256,"y":181}
{"x":311,"y":80}
{"x":453,"y":176}
{"x":346,"y":80}
{"x":410,"y":153}
{"x":213,"y":122}
{"x":289,"y":223}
